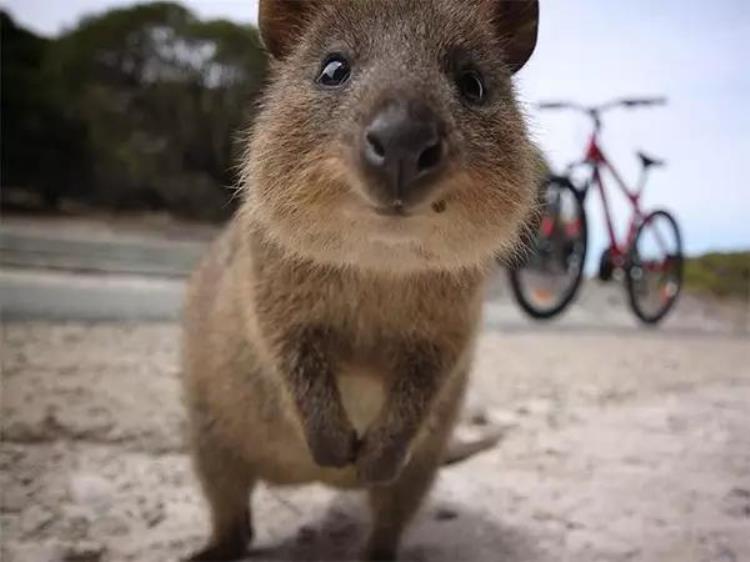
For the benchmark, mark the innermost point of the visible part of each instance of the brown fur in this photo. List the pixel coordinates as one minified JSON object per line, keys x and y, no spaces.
{"x":325,"y":342}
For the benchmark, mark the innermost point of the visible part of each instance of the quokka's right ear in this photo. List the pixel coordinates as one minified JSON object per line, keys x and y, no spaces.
{"x":281,"y":23}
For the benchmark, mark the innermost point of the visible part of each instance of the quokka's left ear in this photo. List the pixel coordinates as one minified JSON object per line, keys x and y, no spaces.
{"x":516,"y":23}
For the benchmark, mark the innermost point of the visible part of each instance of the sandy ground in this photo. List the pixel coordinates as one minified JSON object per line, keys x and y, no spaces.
{"x":621,"y":445}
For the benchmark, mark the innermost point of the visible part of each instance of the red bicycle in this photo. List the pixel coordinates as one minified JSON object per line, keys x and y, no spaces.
{"x":650,"y":257}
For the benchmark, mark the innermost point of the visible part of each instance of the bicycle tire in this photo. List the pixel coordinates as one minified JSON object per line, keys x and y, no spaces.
{"x":514,"y":273}
{"x":633,"y":299}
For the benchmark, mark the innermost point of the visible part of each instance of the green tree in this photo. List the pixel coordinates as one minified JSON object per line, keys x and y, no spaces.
{"x":161,"y":97}
{"x":43,"y":146}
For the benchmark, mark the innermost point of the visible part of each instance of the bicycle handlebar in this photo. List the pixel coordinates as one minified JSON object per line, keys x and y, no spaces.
{"x":643,"y":102}
{"x":594,"y":110}
{"x":556,"y":105}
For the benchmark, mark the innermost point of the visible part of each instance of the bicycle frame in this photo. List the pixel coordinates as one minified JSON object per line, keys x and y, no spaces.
{"x":596,"y":158}
{"x":562,"y":240}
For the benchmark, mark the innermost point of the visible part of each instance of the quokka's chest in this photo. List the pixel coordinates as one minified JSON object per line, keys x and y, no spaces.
{"x":364,"y":391}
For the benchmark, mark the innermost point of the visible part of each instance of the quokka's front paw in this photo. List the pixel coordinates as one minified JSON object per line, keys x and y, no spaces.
{"x":333,"y":445}
{"x":375,"y":553}
{"x":380,"y":459}
{"x":220,"y":553}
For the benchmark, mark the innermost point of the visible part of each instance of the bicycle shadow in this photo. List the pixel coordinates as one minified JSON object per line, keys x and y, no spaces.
{"x":441,"y":532}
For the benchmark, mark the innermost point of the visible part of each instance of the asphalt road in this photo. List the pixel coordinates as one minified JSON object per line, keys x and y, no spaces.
{"x":101,"y":276}
{"x":77,"y":275}
{"x":46,"y":295}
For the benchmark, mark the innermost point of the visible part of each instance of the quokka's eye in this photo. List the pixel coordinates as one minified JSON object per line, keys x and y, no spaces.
{"x":471,"y":86}
{"x":335,"y":72}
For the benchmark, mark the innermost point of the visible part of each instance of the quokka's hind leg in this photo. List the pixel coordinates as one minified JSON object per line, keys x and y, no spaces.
{"x":227,"y":483}
{"x":393,"y":505}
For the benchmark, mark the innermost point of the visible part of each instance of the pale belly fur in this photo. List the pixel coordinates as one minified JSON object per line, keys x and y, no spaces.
{"x":363,"y":395}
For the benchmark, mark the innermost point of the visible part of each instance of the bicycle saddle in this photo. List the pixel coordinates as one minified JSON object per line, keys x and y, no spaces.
{"x":647,"y":160}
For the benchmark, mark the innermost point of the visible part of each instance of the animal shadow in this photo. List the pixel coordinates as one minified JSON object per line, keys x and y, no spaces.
{"x":441,"y":532}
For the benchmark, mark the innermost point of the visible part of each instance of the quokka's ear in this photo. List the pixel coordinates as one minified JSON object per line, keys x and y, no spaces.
{"x":281,"y":23}
{"x":516,"y":23}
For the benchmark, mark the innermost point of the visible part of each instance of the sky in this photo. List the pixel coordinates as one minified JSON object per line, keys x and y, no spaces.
{"x":691,"y":51}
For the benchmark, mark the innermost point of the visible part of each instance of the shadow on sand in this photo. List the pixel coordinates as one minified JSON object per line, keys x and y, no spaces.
{"x":441,"y":533}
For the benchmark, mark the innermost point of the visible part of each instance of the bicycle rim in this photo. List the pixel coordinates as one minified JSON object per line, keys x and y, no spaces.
{"x":548,"y":280}
{"x":654,"y":275}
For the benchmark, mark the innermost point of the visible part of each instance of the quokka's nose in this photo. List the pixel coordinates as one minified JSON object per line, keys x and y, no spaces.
{"x":402,"y":150}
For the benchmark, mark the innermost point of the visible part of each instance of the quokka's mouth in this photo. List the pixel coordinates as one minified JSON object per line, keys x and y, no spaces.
{"x":395,"y":210}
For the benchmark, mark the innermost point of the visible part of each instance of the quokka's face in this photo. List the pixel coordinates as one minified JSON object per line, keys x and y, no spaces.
{"x":389,"y":137}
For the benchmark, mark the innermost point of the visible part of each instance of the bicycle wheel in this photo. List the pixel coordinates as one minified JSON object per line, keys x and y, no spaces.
{"x":549,"y":278}
{"x":654,"y":273}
